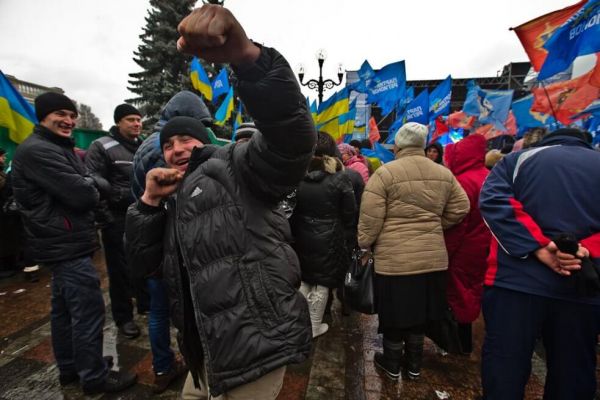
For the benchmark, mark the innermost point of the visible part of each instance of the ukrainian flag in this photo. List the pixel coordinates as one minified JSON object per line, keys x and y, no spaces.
{"x":334,"y":106}
{"x":313,"y":110}
{"x":224,"y":111}
{"x":16,"y":114}
{"x":237,"y":121}
{"x":347,"y":122}
{"x":200,"y":80}
{"x":339,"y":126}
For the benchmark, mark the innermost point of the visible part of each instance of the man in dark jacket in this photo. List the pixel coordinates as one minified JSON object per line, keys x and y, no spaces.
{"x":529,"y":198}
{"x":57,"y":200}
{"x":232,"y":277}
{"x":167,"y":368}
{"x":111,"y":157}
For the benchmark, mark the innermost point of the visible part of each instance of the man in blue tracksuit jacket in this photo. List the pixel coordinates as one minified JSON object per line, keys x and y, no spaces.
{"x":528,"y":199}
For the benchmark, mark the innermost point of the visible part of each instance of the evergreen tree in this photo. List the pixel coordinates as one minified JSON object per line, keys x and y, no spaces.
{"x":87,"y":119}
{"x":165,"y":71}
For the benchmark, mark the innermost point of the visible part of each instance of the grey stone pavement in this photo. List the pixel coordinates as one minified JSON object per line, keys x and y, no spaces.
{"x":340,"y":366}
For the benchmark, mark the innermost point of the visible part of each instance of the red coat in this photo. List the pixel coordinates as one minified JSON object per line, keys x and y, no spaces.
{"x":468,"y":242}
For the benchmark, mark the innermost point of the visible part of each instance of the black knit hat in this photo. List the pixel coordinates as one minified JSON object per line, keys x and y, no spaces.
{"x":123,"y":110}
{"x":49,"y":102}
{"x":184,"y":126}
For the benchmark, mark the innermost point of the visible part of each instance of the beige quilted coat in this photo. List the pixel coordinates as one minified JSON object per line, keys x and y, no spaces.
{"x":405,"y":207}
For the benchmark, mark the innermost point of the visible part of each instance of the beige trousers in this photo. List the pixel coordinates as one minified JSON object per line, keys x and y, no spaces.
{"x":266,"y":387}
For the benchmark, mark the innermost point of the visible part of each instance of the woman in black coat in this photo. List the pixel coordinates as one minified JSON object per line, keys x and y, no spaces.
{"x":324,"y":228}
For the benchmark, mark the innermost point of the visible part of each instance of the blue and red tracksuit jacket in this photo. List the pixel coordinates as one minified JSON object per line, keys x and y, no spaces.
{"x":529,"y":198}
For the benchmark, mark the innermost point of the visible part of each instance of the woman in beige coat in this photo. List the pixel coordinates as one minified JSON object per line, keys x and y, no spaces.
{"x":406,"y":205}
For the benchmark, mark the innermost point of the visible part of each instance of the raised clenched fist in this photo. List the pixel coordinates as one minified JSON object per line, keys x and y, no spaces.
{"x":213,"y":34}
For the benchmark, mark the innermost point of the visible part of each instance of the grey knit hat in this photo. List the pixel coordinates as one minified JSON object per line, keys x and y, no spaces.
{"x":412,"y":134}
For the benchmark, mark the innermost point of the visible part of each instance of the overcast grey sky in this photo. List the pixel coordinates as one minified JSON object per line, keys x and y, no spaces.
{"x":86,"y":47}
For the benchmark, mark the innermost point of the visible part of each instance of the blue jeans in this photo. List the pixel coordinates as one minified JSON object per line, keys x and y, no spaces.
{"x":158,"y":326}
{"x":77,"y":320}
{"x":513,"y":322}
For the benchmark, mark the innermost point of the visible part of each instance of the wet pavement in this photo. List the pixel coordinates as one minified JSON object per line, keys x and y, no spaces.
{"x":340,"y":367}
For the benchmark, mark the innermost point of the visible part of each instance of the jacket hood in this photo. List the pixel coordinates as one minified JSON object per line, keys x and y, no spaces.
{"x":184,"y":103}
{"x":568,"y":137}
{"x":467,"y":154}
{"x":319,"y":167}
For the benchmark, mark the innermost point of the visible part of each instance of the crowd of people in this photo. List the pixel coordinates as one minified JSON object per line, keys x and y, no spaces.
{"x":241,"y":247}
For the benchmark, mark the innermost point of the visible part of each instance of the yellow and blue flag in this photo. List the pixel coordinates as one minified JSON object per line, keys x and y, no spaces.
{"x":339,"y":126}
{"x":313,"y":110}
{"x":200,"y":80}
{"x":578,"y":36}
{"x":16,"y":114}
{"x":334,"y":106}
{"x":237,"y":121}
{"x":220,"y":85}
{"x":224,"y":111}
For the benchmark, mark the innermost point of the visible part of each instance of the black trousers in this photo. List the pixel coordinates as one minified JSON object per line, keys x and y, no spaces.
{"x":513,"y":322}
{"x":120,"y":287}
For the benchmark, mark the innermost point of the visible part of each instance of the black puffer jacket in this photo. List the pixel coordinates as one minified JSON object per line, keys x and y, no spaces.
{"x":324,"y":224}
{"x":232,"y":277}
{"x":111,"y":157}
{"x":55,"y":198}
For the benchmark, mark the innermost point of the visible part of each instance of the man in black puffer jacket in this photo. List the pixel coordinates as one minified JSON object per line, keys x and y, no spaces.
{"x":111,"y":157}
{"x":232,"y":277}
{"x":57,"y":200}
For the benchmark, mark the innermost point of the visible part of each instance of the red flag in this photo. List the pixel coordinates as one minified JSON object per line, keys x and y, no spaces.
{"x":595,"y":76}
{"x":535,"y":33}
{"x":460,"y":120}
{"x":440,"y":129}
{"x":511,"y":124}
{"x":566,"y":98}
{"x":374,"y":135}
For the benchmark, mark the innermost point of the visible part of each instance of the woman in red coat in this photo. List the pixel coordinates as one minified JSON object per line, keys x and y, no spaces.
{"x":468,"y":242}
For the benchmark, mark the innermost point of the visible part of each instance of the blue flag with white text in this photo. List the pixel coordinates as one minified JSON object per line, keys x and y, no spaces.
{"x":220,"y":85}
{"x":389,"y":86}
{"x":366,"y":74}
{"x":416,"y":111}
{"x":579,"y":36}
{"x":439,"y":99}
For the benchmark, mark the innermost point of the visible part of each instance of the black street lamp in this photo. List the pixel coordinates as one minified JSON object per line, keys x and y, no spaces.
{"x":320,"y":85}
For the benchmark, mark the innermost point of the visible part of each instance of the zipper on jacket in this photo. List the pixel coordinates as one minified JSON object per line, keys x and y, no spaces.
{"x":186,"y":263}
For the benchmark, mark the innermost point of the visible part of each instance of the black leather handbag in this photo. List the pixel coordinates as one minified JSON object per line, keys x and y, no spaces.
{"x":359,"y":292}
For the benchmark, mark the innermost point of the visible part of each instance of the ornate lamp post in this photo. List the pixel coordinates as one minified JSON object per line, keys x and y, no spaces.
{"x":320,"y":85}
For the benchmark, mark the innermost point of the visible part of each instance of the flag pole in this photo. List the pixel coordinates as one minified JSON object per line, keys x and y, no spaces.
{"x":549,"y":101}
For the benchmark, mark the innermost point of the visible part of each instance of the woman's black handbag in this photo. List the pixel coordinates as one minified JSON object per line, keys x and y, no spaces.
{"x":359,"y":292}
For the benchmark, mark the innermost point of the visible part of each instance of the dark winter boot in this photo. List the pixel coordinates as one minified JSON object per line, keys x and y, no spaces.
{"x":389,"y":361}
{"x":414,"y":355}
